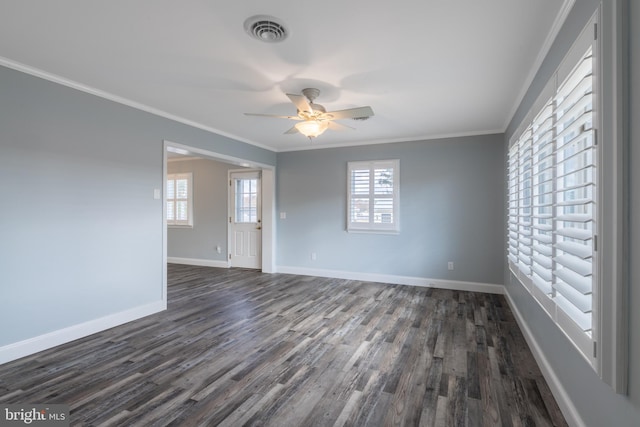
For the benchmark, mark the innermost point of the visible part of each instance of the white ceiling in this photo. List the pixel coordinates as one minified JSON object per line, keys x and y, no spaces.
{"x":428,"y":68}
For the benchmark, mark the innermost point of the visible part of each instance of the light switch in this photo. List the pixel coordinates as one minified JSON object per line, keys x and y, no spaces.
{"x":283,"y":215}
{"x":156,"y":193}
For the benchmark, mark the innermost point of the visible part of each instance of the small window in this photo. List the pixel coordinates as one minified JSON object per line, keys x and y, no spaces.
{"x":246,"y":197}
{"x":373,"y":193}
{"x":179,"y":200}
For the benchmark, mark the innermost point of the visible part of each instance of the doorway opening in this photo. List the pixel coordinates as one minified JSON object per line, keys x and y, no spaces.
{"x":259,"y":195}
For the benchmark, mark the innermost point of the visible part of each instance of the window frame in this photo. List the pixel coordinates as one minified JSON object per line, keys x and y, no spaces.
{"x":371,"y":226}
{"x":524,"y":146}
{"x":188,"y":223}
{"x":234,"y":178}
{"x":608,"y":353}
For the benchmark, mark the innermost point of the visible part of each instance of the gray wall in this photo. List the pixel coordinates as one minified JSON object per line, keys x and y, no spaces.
{"x":210,"y":212}
{"x":596,"y":402}
{"x":80,"y":232}
{"x":451,"y":209}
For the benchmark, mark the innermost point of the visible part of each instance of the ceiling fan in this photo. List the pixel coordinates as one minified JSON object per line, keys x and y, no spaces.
{"x":313,"y":119}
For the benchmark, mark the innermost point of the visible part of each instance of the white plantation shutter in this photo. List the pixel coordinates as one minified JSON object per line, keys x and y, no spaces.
{"x":575,"y":194}
{"x":179,"y":199}
{"x":524,"y":202}
{"x":171,"y":195}
{"x":542,"y":201}
{"x":552,"y":196}
{"x":513,"y":198}
{"x":383,"y":194}
{"x":359,"y":208}
{"x":373,"y":196}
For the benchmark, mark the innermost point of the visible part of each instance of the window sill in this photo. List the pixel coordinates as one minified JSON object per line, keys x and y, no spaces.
{"x":358,"y":231}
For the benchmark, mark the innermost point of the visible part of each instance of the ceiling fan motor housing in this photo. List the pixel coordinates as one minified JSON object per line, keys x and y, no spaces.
{"x":311,"y":93}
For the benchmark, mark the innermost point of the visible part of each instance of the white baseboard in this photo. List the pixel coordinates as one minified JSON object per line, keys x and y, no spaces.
{"x":455,"y":285}
{"x":565,"y":403}
{"x":198,"y":262}
{"x":43,"y":342}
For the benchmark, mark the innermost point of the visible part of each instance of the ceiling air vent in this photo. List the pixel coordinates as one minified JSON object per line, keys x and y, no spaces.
{"x":265,"y":28}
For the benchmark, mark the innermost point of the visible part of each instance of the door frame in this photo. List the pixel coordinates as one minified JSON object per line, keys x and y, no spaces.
{"x":268,"y":200}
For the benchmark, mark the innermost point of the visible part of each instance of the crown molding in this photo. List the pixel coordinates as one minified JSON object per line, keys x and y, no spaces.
{"x":561,"y":17}
{"x":36,"y":72}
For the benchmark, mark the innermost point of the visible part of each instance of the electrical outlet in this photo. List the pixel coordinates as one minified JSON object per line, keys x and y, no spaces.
{"x":450,"y":265}
{"x":314,"y":256}
{"x":218,"y":249}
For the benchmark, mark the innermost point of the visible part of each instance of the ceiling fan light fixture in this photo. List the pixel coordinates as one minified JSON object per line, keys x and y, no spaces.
{"x":313,"y":119}
{"x":312,"y":128}
{"x":265,"y":28}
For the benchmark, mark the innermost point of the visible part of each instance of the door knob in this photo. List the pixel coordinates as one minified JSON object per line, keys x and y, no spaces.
{"x":258,"y":228}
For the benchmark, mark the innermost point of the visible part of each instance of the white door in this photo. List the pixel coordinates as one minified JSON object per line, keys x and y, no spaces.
{"x":245,"y":220}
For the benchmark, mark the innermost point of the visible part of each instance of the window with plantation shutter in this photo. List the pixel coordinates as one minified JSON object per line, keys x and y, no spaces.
{"x":373,"y":193}
{"x":179,"y":200}
{"x":552,"y":197}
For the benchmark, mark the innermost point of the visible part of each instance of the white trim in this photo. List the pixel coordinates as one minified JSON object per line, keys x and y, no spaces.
{"x":244,"y":173}
{"x":6,"y":62}
{"x":183,"y":159}
{"x":163,"y":213}
{"x":46,"y":341}
{"x":208,"y":154}
{"x":490,"y":288}
{"x":268,"y":221}
{"x":565,"y":403}
{"x":198,"y":262}
{"x":613,"y":334}
{"x":372,"y":231}
{"x":417,"y":138}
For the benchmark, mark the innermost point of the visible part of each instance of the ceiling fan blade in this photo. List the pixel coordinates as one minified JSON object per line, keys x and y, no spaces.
{"x":291,"y":131}
{"x":301,"y":102}
{"x":351,"y":113}
{"x":273,"y":115}
{"x":339,"y":126}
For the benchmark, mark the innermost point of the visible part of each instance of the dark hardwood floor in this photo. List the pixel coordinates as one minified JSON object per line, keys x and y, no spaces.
{"x":237,"y":347}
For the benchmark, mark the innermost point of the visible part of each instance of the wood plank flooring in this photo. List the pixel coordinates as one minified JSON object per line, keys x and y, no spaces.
{"x":238,"y":347}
